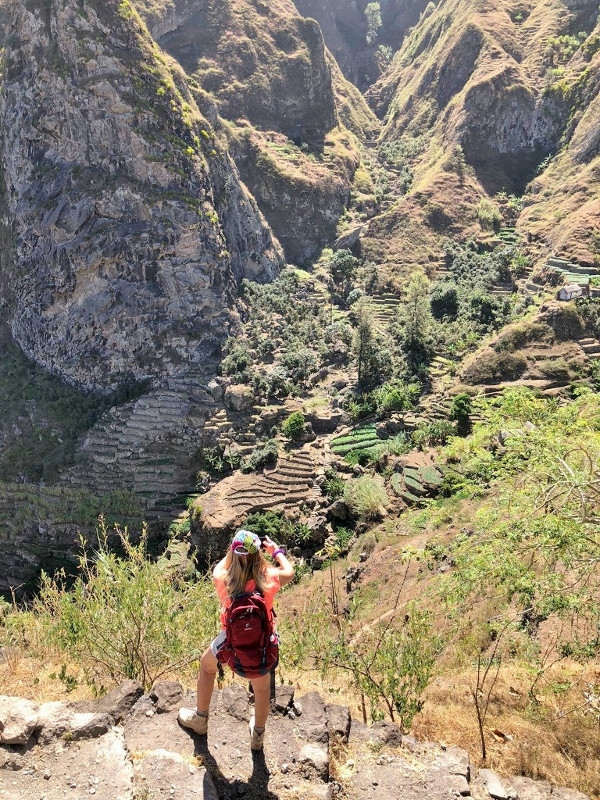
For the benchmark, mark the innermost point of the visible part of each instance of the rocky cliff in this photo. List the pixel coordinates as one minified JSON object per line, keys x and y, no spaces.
{"x":286,"y":103}
{"x":131,"y":225}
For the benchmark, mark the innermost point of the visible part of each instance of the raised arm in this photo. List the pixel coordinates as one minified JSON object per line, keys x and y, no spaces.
{"x":220,"y":570}
{"x":284,"y":567}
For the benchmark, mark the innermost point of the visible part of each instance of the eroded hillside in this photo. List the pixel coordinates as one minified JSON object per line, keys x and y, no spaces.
{"x":488,"y":94}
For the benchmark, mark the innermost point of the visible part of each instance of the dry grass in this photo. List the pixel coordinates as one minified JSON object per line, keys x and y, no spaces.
{"x":550,"y":741}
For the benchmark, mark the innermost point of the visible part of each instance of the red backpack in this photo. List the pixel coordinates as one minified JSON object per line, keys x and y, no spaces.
{"x":251,"y":646}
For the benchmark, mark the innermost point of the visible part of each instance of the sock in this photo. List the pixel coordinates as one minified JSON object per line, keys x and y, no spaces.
{"x":201,"y":713}
{"x":259,"y":730}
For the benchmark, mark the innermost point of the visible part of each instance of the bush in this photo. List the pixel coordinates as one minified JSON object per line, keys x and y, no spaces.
{"x":278,"y":527}
{"x":460,"y":411}
{"x":396,"y":396}
{"x":366,"y":496}
{"x":126,"y":617}
{"x":488,"y":214}
{"x":334,"y":485}
{"x":299,"y":364}
{"x":293,"y":426}
{"x":556,"y":368}
{"x":261,"y":456}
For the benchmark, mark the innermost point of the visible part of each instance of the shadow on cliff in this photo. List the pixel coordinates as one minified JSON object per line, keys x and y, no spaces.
{"x":255,"y":788}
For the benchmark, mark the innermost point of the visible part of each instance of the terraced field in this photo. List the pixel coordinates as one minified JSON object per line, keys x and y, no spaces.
{"x":571,"y":272}
{"x":415,"y":484}
{"x":285,"y":486}
{"x":360,"y":439}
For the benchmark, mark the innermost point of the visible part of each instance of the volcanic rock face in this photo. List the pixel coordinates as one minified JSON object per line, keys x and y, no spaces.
{"x":132,"y":227}
{"x":284,"y":98}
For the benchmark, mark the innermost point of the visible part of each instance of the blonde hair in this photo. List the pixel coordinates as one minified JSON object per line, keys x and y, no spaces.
{"x":252,"y":567}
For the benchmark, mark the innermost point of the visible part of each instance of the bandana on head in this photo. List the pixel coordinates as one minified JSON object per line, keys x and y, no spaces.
{"x":245,"y":543}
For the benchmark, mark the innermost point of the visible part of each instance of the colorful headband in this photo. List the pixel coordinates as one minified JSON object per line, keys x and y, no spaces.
{"x":245,"y":543}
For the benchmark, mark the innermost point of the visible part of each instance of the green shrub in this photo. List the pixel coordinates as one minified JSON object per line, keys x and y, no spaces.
{"x":333,"y":488}
{"x":488,"y":214}
{"x":126,"y":617}
{"x":432,"y":434}
{"x":460,"y":412}
{"x":278,"y":527}
{"x":261,"y":456}
{"x":293,"y":426}
{"x":366,"y":496}
{"x":556,"y":368}
{"x":396,"y":396}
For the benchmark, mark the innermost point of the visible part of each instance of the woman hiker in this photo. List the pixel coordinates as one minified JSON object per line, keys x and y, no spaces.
{"x":243,"y":570}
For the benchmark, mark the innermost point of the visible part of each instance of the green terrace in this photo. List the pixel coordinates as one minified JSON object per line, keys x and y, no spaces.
{"x":360,"y":439}
{"x":571,"y":271}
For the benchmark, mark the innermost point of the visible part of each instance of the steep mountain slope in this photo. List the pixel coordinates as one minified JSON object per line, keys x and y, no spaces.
{"x":285,"y":98}
{"x":347,"y":32}
{"x":490,"y":90}
{"x":131,"y":225}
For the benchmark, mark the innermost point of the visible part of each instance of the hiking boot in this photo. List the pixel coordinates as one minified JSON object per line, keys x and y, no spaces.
{"x":256,"y":739}
{"x":189,"y":718}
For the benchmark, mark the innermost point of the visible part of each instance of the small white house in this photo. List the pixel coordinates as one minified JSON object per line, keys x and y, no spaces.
{"x":570,"y":292}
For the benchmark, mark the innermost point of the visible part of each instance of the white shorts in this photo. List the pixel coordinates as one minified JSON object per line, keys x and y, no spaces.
{"x":217,"y":643}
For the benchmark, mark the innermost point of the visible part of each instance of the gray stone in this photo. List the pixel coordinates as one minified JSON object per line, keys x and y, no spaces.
{"x":118,"y":702}
{"x":167,"y":695}
{"x":239,"y":397}
{"x":562,"y":793}
{"x":312,"y":725}
{"x":18,"y":719}
{"x":494,"y":785}
{"x":144,"y":707}
{"x":339,"y":721}
{"x":235,"y":700}
{"x":339,"y":510}
{"x":456,"y":785}
{"x":57,"y":720}
{"x":528,"y":789}
{"x":454,"y":761}
{"x":317,"y":760}
{"x":283,"y":700}
{"x":387,"y":732}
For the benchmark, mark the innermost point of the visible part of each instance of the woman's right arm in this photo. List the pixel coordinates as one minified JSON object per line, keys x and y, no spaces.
{"x":220,"y":570}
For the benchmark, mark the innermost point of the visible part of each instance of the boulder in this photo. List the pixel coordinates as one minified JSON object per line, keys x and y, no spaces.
{"x":118,"y":702}
{"x":339,"y":721}
{"x":18,"y":719}
{"x":239,"y":397}
{"x":167,"y":695}
{"x":316,"y":759}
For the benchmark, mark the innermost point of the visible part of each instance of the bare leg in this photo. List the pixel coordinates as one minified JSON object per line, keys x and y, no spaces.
{"x":206,"y":680}
{"x":262,"y":699}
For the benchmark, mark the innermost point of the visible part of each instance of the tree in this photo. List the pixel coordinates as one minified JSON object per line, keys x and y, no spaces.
{"x":460,"y":411}
{"x":444,"y":300}
{"x":374,"y":22}
{"x":342,"y":267}
{"x":413,"y":328}
{"x":374,"y":361}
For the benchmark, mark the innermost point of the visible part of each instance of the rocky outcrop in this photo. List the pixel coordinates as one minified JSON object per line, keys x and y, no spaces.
{"x":284,"y":97}
{"x":125,"y":746}
{"x":344,"y":27}
{"x":132,"y":227}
